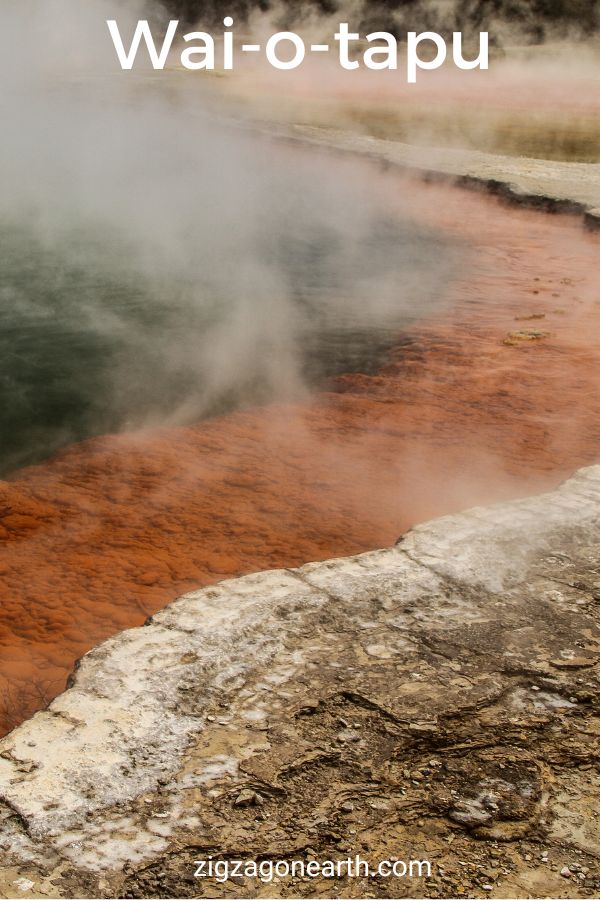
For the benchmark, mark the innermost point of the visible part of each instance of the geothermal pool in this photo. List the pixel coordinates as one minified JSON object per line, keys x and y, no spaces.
{"x":96,"y":338}
{"x":439,"y":352}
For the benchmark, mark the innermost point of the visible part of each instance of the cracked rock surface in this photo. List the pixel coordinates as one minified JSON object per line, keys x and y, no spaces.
{"x":437,"y":700}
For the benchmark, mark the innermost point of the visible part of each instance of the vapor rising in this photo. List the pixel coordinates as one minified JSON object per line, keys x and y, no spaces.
{"x":161,"y":264}
{"x":526,"y":21}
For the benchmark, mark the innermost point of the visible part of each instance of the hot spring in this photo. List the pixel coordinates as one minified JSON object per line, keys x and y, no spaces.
{"x":221,"y":354}
{"x":105,"y":329}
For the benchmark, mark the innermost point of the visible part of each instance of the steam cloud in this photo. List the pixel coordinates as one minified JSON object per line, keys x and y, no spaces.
{"x":160,"y":264}
{"x":532,"y":20}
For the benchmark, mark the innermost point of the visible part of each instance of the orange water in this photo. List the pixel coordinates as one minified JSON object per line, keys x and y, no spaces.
{"x":109,"y":531}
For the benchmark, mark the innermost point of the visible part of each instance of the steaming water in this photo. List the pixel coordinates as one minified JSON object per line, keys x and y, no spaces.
{"x":159,"y":265}
{"x":90,"y":342}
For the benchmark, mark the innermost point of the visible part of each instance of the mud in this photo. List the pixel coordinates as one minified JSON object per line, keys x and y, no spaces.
{"x":111,"y":530}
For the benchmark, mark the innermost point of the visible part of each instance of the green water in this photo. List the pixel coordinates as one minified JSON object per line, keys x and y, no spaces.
{"x":89,"y":345}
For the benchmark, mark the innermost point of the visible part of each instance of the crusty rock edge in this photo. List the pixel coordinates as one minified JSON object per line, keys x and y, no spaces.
{"x":137,"y":703}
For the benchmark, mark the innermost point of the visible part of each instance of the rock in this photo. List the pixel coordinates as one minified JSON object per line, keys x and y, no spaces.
{"x":574,"y":662}
{"x":529,"y":334}
{"x":248,"y":798}
{"x":347,"y":807}
{"x":380,"y":803}
{"x":565,"y":872}
{"x":470,"y":813}
{"x":308,"y":707}
{"x":489,"y":874}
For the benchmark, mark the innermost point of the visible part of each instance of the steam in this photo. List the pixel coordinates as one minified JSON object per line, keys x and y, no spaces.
{"x":163,"y":264}
{"x":536,"y":101}
{"x":508,"y":21}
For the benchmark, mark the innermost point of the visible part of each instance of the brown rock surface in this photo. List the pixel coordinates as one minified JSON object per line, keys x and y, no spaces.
{"x":404,"y":704}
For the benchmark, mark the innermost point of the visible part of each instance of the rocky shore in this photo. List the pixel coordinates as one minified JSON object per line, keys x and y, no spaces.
{"x":437,"y":700}
{"x":492,"y":398}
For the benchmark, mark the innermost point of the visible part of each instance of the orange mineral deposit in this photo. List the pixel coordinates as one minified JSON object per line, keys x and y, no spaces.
{"x":110,"y":530}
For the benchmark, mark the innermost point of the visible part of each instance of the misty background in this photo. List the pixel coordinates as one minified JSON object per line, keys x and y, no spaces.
{"x":524,"y":20}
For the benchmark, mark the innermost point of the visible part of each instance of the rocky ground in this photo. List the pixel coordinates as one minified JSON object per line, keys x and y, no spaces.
{"x":437,"y":700}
